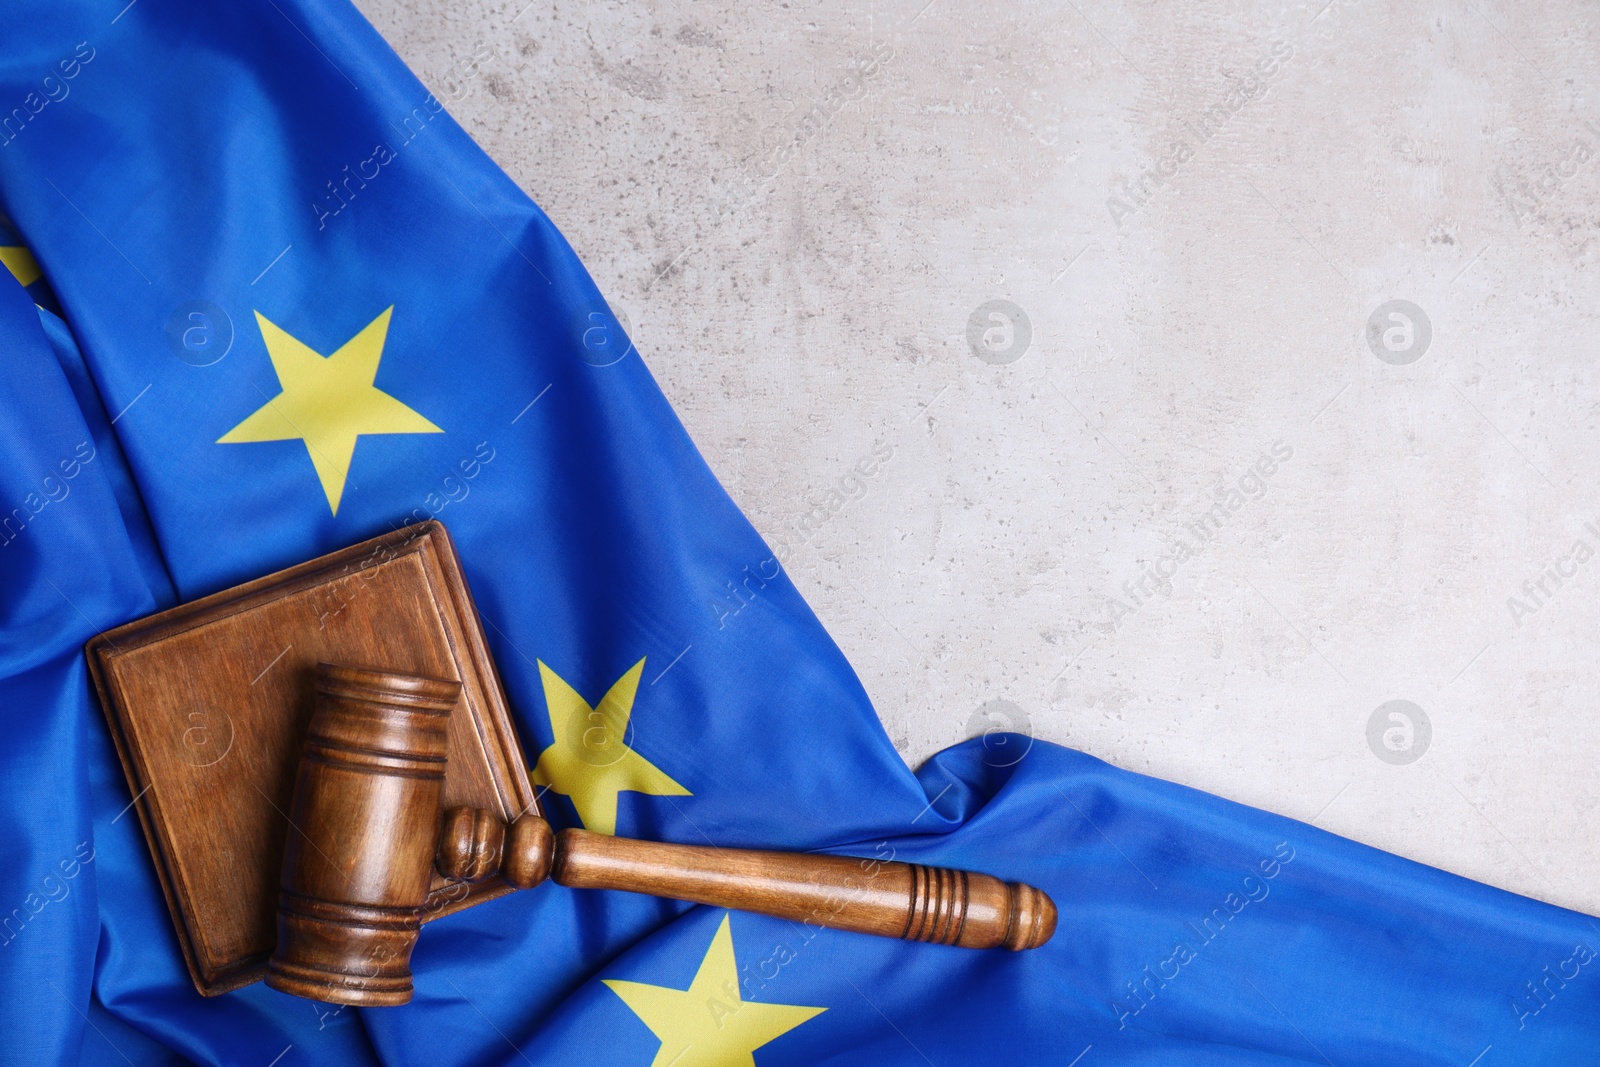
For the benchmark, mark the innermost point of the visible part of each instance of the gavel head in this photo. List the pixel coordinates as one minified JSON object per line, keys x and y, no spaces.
{"x":364,"y":822}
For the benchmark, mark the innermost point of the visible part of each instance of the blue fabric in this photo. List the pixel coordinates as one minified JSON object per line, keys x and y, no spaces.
{"x":193,"y":171}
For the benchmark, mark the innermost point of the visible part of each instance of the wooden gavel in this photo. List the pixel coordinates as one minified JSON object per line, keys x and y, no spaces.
{"x":368,"y":833}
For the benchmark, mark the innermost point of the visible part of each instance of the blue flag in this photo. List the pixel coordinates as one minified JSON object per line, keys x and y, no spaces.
{"x":278,"y":302}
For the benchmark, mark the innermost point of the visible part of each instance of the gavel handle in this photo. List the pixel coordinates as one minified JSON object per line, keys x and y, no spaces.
{"x":883,"y":897}
{"x":870,"y":896}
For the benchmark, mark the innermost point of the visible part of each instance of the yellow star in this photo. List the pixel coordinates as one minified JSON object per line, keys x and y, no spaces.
{"x":20,"y":262}
{"x":590,"y":761}
{"x":709,"y":1024}
{"x":327,"y":402}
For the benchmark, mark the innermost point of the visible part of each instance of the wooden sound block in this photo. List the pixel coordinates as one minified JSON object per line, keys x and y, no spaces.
{"x":209,"y":704}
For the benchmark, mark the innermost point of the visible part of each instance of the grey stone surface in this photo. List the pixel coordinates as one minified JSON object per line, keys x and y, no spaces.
{"x":1198,"y":211}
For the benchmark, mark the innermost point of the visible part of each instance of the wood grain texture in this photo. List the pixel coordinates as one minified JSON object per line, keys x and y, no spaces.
{"x":367,"y":833}
{"x":209,"y":703}
{"x":882,"y":897}
{"x":871,"y":896}
{"x":357,"y":865}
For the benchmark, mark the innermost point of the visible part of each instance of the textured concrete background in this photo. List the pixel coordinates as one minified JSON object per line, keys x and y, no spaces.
{"x":802,"y":206}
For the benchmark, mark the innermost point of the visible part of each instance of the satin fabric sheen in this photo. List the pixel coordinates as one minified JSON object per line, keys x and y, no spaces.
{"x":188,"y":160}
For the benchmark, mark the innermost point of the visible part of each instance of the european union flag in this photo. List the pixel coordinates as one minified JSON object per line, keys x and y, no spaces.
{"x":294,"y":306}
